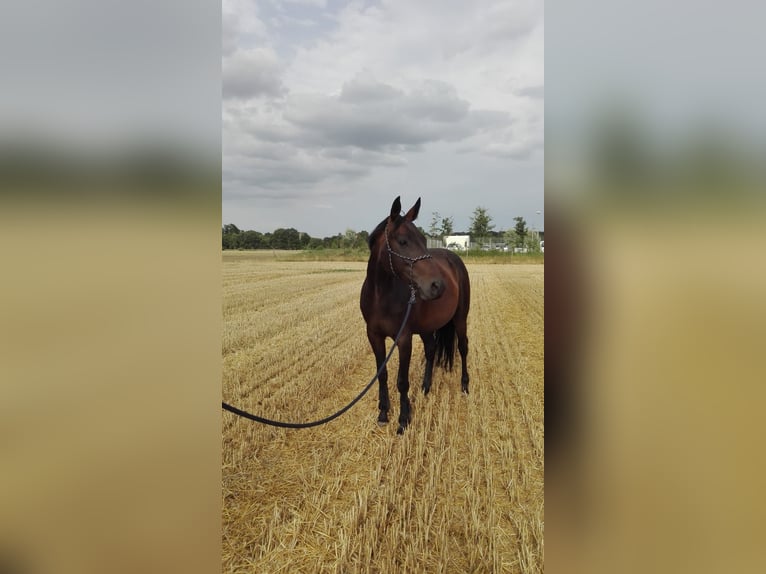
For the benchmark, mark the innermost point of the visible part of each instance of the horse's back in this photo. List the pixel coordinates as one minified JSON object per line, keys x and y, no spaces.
{"x":455,"y":261}
{"x":450,"y":256}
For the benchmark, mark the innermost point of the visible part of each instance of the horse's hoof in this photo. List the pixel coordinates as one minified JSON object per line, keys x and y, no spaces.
{"x":400,"y":430}
{"x":426,"y":390}
{"x":382,"y":423}
{"x":465,"y":390}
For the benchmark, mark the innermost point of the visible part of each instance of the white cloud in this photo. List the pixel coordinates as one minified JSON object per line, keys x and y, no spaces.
{"x":317,"y":3}
{"x":243,"y":19}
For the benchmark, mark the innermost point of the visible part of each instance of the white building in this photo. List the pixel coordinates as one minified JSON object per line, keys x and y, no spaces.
{"x":457,"y":242}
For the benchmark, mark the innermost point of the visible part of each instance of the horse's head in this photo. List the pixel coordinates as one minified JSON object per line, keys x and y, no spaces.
{"x":401,"y":248}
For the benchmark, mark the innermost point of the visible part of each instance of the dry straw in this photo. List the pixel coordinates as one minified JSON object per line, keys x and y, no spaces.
{"x":460,"y":491}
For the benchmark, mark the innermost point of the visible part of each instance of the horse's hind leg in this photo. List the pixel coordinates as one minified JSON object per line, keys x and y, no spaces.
{"x":462,"y":346}
{"x":429,"y":344}
{"x":378,"y":344}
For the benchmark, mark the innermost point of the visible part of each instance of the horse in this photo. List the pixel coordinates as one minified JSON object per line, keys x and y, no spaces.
{"x":401,"y":267}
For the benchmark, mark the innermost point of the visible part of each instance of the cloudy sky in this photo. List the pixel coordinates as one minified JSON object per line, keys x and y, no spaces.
{"x":332,"y":109}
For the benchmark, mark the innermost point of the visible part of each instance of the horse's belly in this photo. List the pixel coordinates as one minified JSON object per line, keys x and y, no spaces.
{"x":434,"y":314}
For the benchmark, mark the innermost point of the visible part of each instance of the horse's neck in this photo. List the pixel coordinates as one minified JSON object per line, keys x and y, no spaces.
{"x":376,"y":273}
{"x":379,"y":276}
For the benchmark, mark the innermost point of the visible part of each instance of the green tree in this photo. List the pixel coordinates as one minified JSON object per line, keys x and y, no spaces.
{"x":434,"y":229}
{"x":532,"y":243}
{"x":286,"y":239}
{"x":510,"y":237}
{"x":250,"y":240}
{"x":334,"y":242}
{"x":230,"y":241}
{"x":447,"y":226}
{"x":231,"y":236}
{"x":481,"y":223}
{"x":521,"y":231}
{"x":350,"y":239}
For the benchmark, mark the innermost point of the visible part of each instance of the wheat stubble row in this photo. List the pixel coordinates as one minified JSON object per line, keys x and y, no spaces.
{"x":460,"y":491}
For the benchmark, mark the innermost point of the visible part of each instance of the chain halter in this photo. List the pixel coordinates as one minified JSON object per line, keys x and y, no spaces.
{"x":410,"y":260}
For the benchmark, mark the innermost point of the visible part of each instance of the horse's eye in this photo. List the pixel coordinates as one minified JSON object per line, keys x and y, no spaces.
{"x":403,"y":242}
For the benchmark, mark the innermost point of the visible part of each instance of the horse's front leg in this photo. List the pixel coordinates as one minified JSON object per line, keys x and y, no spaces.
{"x":403,"y":382}
{"x":378,"y":344}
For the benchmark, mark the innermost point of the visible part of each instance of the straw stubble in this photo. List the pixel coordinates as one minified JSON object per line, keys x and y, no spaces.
{"x":460,"y":491}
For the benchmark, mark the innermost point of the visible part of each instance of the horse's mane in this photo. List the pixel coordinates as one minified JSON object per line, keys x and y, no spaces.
{"x":378,"y":231}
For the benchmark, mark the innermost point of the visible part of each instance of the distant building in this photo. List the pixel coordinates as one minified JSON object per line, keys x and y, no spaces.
{"x":457,"y":242}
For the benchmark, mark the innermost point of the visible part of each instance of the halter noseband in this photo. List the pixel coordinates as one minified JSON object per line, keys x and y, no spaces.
{"x":410,"y":260}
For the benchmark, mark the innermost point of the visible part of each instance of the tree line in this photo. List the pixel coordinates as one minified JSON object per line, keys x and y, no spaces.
{"x":481,"y":229}
{"x":517,"y":236}
{"x":235,"y":238}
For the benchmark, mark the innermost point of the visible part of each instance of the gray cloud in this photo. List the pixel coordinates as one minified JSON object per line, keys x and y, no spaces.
{"x":520,"y":151}
{"x":376,"y":116}
{"x":436,"y":101}
{"x":366,"y":89}
{"x":365,"y":157}
{"x":289,"y":175}
{"x":534,"y":92}
{"x":312,"y":138}
{"x":501,"y":23}
{"x":490,"y":120}
{"x":251,"y":73}
{"x":229,"y":34}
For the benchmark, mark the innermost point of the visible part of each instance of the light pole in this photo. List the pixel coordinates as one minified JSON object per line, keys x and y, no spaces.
{"x":537,"y":233}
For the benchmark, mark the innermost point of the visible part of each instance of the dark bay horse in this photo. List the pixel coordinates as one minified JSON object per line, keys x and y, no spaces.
{"x":400,"y":264}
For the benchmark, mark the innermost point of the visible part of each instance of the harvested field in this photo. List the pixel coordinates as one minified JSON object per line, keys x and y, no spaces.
{"x":460,"y":491}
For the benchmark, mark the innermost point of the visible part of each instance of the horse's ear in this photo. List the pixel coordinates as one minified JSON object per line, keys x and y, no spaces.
{"x":412,"y":214}
{"x":396,"y":208}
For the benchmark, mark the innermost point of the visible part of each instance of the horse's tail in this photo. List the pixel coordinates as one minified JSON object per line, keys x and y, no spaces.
{"x":445,"y":346}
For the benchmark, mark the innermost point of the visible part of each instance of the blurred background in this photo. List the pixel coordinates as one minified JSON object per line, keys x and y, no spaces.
{"x":655,"y":173}
{"x":110,"y":291}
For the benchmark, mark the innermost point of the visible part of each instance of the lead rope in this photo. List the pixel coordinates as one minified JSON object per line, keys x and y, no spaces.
{"x":256,"y":418}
